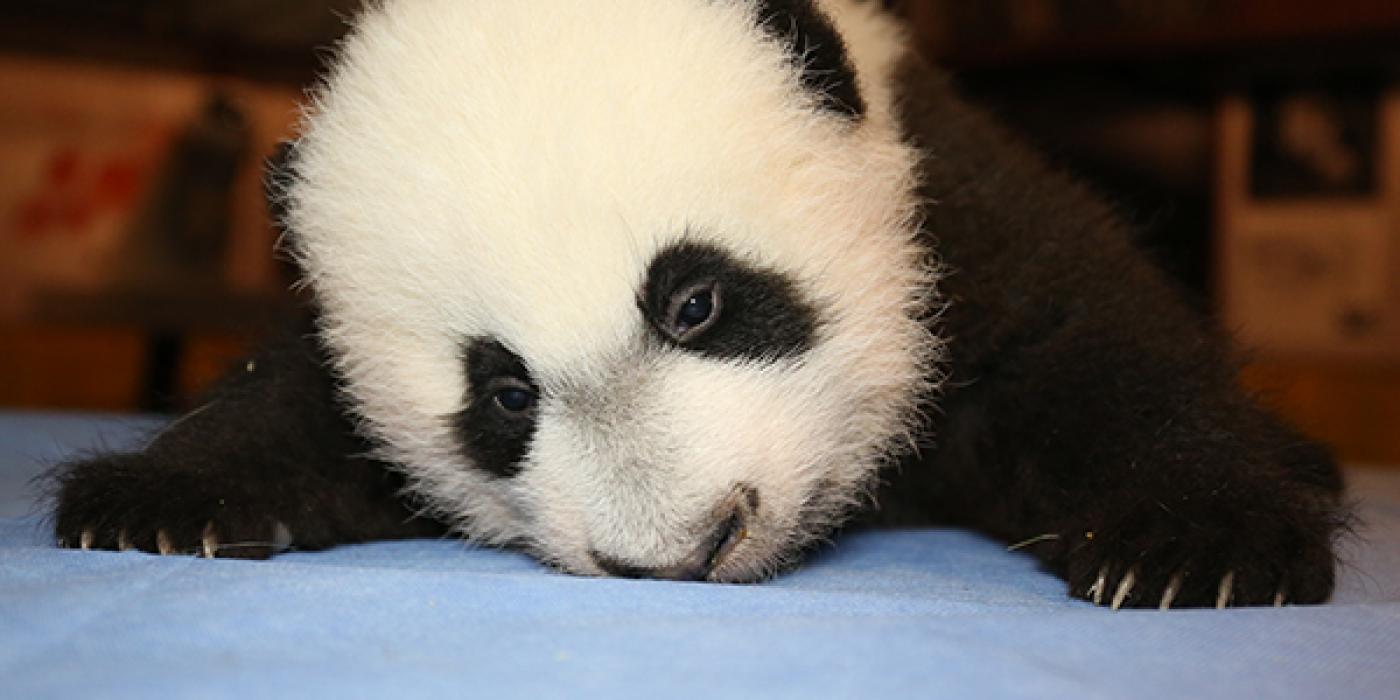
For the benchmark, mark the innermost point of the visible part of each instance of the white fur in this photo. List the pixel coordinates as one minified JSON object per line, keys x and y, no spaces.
{"x":510,"y":168}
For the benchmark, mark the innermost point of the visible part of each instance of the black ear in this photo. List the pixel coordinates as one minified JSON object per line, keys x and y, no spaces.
{"x":278,"y":174}
{"x":819,"y":50}
{"x":898,"y":7}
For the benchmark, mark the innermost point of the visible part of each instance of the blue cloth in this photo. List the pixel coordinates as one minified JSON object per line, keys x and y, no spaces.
{"x":929,"y":613}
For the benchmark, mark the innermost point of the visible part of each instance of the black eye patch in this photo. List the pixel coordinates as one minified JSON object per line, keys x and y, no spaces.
{"x":701,"y":298}
{"x":499,"y":419}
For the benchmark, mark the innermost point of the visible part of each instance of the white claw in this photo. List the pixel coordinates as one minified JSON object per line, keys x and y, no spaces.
{"x":123,"y":542}
{"x":1100,"y":583}
{"x":281,"y":538}
{"x":1124,"y":588}
{"x":1227,"y":590}
{"x":85,"y":539}
{"x":1169,"y":595}
{"x":209,"y":541}
{"x":163,"y":543}
{"x":1281,"y":596}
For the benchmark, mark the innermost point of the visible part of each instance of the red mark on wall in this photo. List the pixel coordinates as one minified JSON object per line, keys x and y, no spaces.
{"x":76,"y":188}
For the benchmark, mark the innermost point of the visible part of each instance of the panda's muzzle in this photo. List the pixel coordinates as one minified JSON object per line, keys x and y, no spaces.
{"x":731,"y":529}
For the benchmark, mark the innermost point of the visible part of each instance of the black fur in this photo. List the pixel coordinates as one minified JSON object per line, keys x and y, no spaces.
{"x":494,"y":439}
{"x":820,"y":51}
{"x":763,"y":314}
{"x":272,"y":445}
{"x":1086,"y":402}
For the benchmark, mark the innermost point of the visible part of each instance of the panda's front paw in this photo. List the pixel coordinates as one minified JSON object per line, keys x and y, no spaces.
{"x":127,"y":502}
{"x":1207,"y":549}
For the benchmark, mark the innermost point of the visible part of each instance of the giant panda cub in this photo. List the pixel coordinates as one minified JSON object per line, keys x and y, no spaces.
{"x":674,"y":288}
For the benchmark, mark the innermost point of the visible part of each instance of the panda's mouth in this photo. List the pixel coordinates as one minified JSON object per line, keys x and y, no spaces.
{"x":735,"y":532}
{"x":732,"y":528}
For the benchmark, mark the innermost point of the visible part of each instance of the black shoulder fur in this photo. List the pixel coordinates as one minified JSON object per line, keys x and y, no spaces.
{"x":1087,"y":407}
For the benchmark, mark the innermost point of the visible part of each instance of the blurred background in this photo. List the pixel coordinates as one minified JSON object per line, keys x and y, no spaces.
{"x":1255,"y":143}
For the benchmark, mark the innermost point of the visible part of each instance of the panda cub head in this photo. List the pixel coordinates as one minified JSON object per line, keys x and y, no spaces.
{"x":632,"y":285}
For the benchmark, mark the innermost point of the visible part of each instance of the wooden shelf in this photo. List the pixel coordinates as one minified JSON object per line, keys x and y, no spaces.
{"x":1021,"y":32}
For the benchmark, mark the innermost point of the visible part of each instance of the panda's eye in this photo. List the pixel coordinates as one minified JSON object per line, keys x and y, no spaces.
{"x":709,"y":303}
{"x":693,"y":310}
{"x":515,"y":400}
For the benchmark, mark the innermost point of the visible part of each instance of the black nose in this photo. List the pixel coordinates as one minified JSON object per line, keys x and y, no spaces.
{"x":713,"y":549}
